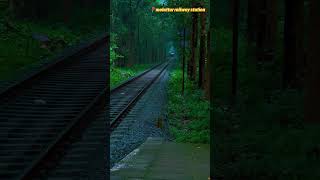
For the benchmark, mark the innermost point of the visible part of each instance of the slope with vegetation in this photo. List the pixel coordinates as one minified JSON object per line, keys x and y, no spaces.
{"x":29,"y":35}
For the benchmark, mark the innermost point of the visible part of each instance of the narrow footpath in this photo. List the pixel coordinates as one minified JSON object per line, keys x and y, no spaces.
{"x":159,"y":159}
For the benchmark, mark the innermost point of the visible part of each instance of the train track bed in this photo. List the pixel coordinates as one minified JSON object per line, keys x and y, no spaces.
{"x":82,"y":159}
{"x":141,"y":121}
{"x":38,"y":113}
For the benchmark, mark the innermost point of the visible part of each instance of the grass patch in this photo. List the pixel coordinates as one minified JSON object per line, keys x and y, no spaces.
{"x":189,"y":114}
{"x":121,"y":74}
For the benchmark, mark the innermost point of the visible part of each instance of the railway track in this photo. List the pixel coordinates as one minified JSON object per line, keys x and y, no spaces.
{"x":126,"y":136}
{"x":83,"y":158}
{"x":53,"y":122}
{"x":45,"y":112}
{"x":124,"y":97}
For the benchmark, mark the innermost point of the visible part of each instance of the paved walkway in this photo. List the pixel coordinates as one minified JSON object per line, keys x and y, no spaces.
{"x":157,"y":159}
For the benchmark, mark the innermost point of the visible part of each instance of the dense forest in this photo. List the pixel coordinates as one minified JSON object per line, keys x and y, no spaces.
{"x":139,"y":38}
{"x":265,"y":79}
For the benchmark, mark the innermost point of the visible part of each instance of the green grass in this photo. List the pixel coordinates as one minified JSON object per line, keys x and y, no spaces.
{"x":189,"y":114}
{"x":121,"y":74}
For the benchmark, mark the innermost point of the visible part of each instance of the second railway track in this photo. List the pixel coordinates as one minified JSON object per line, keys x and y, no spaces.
{"x":82,"y":160}
{"x":53,"y":123}
{"x":39,"y":112}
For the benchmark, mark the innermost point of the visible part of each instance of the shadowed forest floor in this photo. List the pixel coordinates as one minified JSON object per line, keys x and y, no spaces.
{"x":262,"y":136}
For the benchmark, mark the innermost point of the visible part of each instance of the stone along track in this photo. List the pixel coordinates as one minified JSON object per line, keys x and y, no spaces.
{"x":140,"y":121}
{"x":39,"y":114}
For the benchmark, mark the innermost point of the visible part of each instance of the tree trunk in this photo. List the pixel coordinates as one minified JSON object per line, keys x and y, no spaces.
{"x":293,"y":41}
{"x":235,"y":49}
{"x":207,"y":70}
{"x":202,"y":56}
{"x":41,"y":9}
{"x":138,"y":48}
{"x":67,"y":9}
{"x":194,"y":41}
{"x":271,"y":30}
{"x":212,"y":121}
{"x":312,"y":95}
{"x":183,"y":59}
{"x":13,"y":7}
{"x":261,"y":29}
{"x":267,"y":29}
{"x":252,"y":20}
{"x":131,"y":38}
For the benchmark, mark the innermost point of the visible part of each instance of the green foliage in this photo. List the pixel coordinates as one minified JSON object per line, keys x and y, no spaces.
{"x":189,"y":114}
{"x":118,"y":75}
{"x":113,"y":47}
{"x":138,"y":31}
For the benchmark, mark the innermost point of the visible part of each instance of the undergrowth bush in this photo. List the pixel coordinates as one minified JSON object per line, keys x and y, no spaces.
{"x":189,"y":114}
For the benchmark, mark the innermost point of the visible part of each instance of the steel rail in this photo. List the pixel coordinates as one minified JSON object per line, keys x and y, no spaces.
{"x":72,"y":120}
{"x":117,"y":120}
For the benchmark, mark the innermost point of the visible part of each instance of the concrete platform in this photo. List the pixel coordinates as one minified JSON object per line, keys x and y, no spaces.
{"x":157,"y":159}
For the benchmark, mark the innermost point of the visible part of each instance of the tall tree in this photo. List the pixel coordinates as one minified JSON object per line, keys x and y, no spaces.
{"x":67,"y":5}
{"x":15,"y":7}
{"x":271,"y":29}
{"x":131,"y":36}
{"x":207,"y":67}
{"x":261,"y":28}
{"x":235,"y":48}
{"x":202,"y":56}
{"x":312,"y":95}
{"x":267,"y":28}
{"x":293,"y":41}
{"x":210,"y":64}
{"x":194,"y":42}
{"x":252,"y":20}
